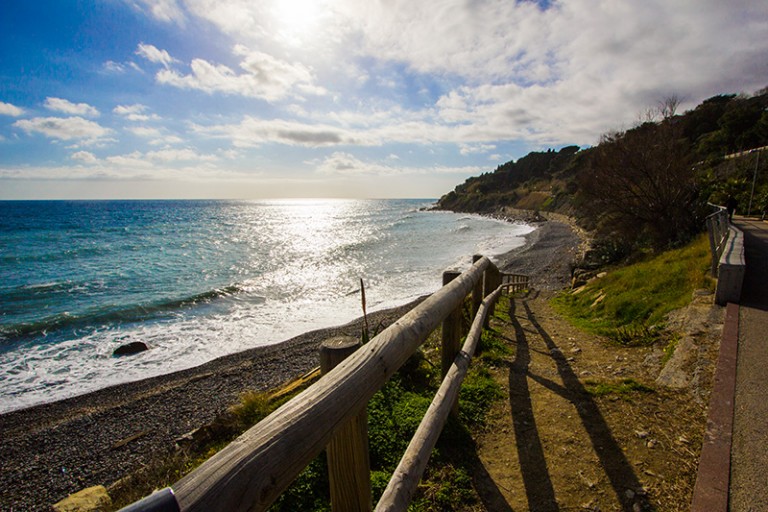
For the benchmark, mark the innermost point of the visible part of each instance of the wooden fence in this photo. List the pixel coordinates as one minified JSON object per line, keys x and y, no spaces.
{"x":252,"y":471}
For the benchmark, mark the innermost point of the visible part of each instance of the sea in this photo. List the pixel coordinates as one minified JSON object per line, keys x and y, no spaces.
{"x":197,"y":280}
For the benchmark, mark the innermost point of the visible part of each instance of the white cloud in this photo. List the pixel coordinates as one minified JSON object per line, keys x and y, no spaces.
{"x":84,"y":156}
{"x":155,"y":136}
{"x":68,"y":128}
{"x":473,"y":149}
{"x":154,"y":54}
{"x":346,"y":164}
{"x":6,"y":109}
{"x":145,"y":131}
{"x":515,"y":70}
{"x":113,"y":67}
{"x":264,"y":77}
{"x":165,"y":10}
{"x":135,"y":112}
{"x":67,"y":107}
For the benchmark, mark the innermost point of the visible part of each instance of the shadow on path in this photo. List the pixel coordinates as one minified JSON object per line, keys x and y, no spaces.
{"x":533,"y":465}
{"x":538,"y":484}
{"x":754,"y":292}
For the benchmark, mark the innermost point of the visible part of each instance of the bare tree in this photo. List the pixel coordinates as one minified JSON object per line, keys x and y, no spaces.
{"x":641,"y":186}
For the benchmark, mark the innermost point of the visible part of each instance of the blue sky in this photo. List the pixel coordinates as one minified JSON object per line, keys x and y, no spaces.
{"x":339,"y":98}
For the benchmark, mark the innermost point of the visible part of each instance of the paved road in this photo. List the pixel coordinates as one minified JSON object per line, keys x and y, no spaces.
{"x":749,"y":453}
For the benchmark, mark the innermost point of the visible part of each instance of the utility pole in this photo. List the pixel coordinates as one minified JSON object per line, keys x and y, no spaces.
{"x":754,"y":179}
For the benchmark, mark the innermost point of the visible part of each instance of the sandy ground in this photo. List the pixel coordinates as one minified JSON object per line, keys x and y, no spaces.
{"x":556,"y":445}
{"x":52,"y":450}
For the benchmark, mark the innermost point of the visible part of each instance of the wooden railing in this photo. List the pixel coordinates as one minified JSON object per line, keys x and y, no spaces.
{"x":251,"y":472}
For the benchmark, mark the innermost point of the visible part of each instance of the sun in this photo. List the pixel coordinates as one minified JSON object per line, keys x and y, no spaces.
{"x":298,"y":20}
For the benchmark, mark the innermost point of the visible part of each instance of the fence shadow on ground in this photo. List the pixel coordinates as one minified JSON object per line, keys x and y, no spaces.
{"x":536,"y":478}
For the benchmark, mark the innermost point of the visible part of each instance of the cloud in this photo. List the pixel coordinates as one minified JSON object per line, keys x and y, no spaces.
{"x":254,"y":132}
{"x":263,"y":77}
{"x":7,"y":109}
{"x":85,"y":157}
{"x":346,"y":164}
{"x":67,"y":107}
{"x":154,"y":54}
{"x":135,"y":112}
{"x":563,"y":72}
{"x":68,"y":128}
{"x":165,"y":10}
{"x":473,"y":149}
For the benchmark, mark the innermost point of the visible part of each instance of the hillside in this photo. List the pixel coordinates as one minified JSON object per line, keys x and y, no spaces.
{"x":650,"y":184}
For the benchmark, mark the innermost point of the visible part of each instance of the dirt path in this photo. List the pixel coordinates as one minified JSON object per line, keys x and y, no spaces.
{"x":556,"y":446}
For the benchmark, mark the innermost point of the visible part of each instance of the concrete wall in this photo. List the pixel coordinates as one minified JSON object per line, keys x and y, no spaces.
{"x":730,"y":270}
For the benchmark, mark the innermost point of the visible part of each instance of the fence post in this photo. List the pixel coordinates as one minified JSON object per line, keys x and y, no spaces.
{"x":349,"y":466}
{"x":451,"y":336}
{"x":492,"y":281}
{"x":477,"y":292}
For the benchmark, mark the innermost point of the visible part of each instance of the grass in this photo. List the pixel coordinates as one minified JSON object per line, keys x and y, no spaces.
{"x":630,"y":303}
{"x":394,"y":414}
{"x":623,"y":388}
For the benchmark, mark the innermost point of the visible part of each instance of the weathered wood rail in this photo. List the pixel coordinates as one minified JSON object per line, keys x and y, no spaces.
{"x":251,"y":472}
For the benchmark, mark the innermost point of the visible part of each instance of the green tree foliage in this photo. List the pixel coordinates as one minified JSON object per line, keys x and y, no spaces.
{"x":489,"y":191}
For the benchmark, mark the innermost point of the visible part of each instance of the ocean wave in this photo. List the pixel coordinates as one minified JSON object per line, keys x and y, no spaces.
{"x":99,"y":317}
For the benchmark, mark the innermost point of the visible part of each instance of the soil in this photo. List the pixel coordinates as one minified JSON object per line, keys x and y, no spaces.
{"x":554,"y":446}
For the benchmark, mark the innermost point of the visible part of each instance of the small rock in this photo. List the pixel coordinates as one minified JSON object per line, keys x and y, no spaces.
{"x":91,"y":499}
{"x":575,"y":350}
{"x":630,"y":494}
{"x":130,"y":348}
{"x":651,"y":443}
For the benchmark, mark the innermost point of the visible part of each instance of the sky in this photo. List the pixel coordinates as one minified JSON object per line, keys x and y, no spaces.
{"x":340,"y":98}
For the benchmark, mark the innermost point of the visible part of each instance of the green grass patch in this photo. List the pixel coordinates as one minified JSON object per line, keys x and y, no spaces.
{"x":669,"y":349}
{"x":630,"y":303}
{"x":623,"y":387}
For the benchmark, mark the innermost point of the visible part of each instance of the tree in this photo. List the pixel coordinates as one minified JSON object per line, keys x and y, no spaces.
{"x":641,"y":187}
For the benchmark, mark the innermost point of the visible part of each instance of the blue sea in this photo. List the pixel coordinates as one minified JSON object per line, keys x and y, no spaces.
{"x":196,"y":280}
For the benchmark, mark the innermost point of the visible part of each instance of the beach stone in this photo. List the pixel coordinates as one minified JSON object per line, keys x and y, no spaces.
{"x":92,"y":499}
{"x":130,"y":349}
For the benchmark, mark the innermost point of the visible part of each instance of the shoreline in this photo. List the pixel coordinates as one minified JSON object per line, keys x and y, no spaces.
{"x":41,"y":463}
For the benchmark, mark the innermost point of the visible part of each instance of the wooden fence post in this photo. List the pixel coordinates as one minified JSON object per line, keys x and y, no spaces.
{"x":451,"y":336}
{"x":477,"y":292}
{"x":492,"y":281}
{"x":349,"y":466}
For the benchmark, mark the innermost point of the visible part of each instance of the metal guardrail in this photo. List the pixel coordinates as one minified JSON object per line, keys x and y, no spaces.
{"x":717,"y":227}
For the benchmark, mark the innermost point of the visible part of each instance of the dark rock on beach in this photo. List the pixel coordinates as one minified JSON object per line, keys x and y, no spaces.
{"x":130,"y":348}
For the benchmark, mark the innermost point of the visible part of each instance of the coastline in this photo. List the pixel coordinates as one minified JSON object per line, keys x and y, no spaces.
{"x":52,"y":450}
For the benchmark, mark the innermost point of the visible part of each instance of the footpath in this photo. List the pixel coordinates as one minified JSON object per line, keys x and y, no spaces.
{"x":749,"y":453}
